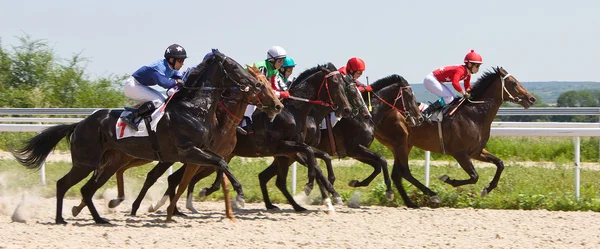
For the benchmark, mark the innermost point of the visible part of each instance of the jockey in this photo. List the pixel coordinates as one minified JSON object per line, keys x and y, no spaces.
{"x":433,"y":81}
{"x":286,"y":70}
{"x":355,"y":68}
{"x":163,"y":73}
{"x":269,"y":68}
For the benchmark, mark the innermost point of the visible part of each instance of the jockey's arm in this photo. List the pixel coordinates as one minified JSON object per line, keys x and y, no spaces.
{"x":162,"y":80}
{"x":456,"y":82}
{"x":467,"y":83}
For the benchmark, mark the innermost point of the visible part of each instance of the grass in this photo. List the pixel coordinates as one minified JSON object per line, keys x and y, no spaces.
{"x":520,"y":187}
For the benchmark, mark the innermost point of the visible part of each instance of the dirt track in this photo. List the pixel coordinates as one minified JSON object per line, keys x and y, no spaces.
{"x":365,"y":227}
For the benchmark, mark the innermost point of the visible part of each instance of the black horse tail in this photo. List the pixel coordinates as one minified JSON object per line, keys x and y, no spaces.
{"x":37,"y":148}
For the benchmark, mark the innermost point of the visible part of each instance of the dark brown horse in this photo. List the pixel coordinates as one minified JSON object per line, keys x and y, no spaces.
{"x":464,"y":134}
{"x":183,"y":133}
{"x":227,"y":118}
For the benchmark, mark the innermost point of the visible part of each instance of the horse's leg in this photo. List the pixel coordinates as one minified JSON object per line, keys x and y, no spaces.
{"x":75,"y":175}
{"x":199,"y":157}
{"x":121,"y":184}
{"x":94,"y":183}
{"x":282,"y":167}
{"x":396,"y":177}
{"x":486,"y":156}
{"x":467,"y":165}
{"x":337,"y":199}
{"x":151,"y":178}
{"x":189,"y":203}
{"x":172,"y":182}
{"x":364,"y":155}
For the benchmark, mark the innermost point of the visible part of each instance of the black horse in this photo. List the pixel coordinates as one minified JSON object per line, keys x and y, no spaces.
{"x":285,"y":136}
{"x":183,"y":133}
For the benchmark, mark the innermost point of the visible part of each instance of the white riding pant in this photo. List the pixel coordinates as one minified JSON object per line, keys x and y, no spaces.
{"x":437,"y":88}
{"x":331,"y":116}
{"x":248,"y":113}
{"x":138,"y":92}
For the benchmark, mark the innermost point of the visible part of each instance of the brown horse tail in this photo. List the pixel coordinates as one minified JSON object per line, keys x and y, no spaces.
{"x":37,"y":148}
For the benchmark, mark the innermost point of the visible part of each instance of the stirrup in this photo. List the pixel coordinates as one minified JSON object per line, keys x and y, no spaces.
{"x":130,"y":122}
{"x":241,"y":130}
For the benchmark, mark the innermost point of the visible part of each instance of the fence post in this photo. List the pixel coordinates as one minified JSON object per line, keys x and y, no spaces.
{"x":294,"y":178}
{"x":576,"y":141}
{"x":427,"y":158}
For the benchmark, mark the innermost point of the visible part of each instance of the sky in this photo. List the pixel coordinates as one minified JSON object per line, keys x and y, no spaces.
{"x":533,"y":40}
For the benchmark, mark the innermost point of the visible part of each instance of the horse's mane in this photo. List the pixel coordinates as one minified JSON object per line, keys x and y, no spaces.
{"x":197,"y":72}
{"x":484,"y":81}
{"x":383,"y":82}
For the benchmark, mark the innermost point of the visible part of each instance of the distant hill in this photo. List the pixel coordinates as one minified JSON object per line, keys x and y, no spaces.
{"x":547,"y":91}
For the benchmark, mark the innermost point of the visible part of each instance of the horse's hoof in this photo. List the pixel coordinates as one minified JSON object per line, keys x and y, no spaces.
{"x":353,"y":183}
{"x":202,"y":193}
{"x":239,"y":202}
{"x":484,"y":192}
{"x":435,"y":199}
{"x":389,"y":195}
{"x":444,"y":178}
{"x":75,"y":211}
{"x":60,"y":221}
{"x":114,"y":203}
{"x":273,"y":207}
{"x":177,"y":213}
{"x":307,"y":190}
{"x":192,"y":209}
{"x":412,"y":205}
{"x":338,"y":201}
{"x":151,"y":209}
{"x":101,"y":221}
{"x":300,"y":209}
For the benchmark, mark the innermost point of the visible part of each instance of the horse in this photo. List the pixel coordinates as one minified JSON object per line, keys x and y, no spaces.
{"x":231,"y":106}
{"x":462,"y":133}
{"x":352,"y":137}
{"x":286,"y":133}
{"x":183,"y":133}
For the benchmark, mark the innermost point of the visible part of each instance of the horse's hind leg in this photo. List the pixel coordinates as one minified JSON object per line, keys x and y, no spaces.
{"x":121,"y":184}
{"x":378,"y":163}
{"x":401,"y":161}
{"x":486,"y":156}
{"x":89,"y":189}
{"x":467,"y":165}
{"x":75,"y":175}
{"x":151,"y":178}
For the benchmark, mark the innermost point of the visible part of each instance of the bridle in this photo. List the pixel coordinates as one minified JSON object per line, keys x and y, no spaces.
{"x":400,"y":96}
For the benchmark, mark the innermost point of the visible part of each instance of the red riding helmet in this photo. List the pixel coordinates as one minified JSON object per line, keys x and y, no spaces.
{"x":473,"y":57}
{"x":355,"y":64}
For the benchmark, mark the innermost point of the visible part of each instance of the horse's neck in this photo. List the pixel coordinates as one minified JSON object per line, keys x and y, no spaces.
{"x":204,"y":105}
{"x":228,"y":116}
{"x":388,"y":94}
{"x":300,"y":111}
{"x":319,"y":113}
{"x":487,"y":111}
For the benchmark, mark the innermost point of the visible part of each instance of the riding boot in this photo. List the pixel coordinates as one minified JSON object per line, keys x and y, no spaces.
{"x":145,"y":109}
{"x":431,"y":109}
{"x":241,"y":130}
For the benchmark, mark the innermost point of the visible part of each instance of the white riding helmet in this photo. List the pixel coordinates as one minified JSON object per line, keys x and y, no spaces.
{"x":276,"y":52}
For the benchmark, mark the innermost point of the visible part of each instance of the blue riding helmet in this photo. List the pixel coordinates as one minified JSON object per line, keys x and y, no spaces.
{"x":288,"y":62}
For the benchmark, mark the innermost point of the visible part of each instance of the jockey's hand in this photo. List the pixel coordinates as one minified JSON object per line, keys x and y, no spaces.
{"x":284,"y":94}
{"x":179,"y":83}
{"x":362,"y":88}
{"x":466,"y":95}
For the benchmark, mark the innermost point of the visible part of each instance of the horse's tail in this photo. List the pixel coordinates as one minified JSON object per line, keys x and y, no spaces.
{"x":37,"y":148}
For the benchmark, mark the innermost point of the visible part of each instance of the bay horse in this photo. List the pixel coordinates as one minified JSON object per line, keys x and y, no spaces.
{"x":464,"y":134}
{"x":227,"y":117}
{"x":352,"y":137}
{"x":285,"y":135}
{"x":183,"y":133}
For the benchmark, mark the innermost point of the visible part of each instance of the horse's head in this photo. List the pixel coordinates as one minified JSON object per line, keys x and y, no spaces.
{"x":395,"y":92}
{"x":355,"y":98}
{"x":513,"y":90}
{"x":266,"y":99}
{"x":231,"y":73}
{"x":332,"y":90}
{"x":501,"y":86}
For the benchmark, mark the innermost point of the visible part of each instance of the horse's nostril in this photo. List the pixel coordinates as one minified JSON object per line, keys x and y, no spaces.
{"x":532,"y":99}
{"x":278,"y":107}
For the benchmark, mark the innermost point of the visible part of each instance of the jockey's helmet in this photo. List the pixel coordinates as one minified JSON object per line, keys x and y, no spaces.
{"x":276,"y":52}
{"x":355,"y":64}
{"x":288,"y":62}
{"x":175,"y":51}
{"x":473,"y":57}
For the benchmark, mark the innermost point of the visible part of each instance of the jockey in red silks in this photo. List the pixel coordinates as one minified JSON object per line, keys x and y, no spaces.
{"x":355,"y":68}
{"x":433,"y":81}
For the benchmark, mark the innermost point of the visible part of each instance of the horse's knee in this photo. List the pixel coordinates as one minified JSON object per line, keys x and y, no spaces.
{"x":474,"y":178}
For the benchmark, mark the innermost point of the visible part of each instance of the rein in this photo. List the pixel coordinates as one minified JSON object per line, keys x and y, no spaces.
{"x":318,"y":101}
{"x":236,"y":118}
{"x":398,"y":96}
